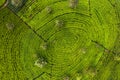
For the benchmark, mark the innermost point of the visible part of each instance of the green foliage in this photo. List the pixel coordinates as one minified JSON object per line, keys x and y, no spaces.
{"x":60,"y":40}
{"x":2,"y":2}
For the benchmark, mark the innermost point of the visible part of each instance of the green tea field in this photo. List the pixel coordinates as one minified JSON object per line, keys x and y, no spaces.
{"x":59,"y":39}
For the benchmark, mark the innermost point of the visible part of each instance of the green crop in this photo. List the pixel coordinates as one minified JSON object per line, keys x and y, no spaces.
{"x":60,"y":40}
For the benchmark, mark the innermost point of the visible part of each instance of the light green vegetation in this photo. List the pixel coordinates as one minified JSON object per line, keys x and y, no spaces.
{"x":2,"y":2}
{"x":52,"y":40}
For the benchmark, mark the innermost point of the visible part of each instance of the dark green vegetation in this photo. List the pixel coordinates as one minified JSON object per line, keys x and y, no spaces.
{"x":60,"y":40}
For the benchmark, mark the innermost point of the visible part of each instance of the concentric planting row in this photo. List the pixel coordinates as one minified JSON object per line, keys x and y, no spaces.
{"x":50,"y":40}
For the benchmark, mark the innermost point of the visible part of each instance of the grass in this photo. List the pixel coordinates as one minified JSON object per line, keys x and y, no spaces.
{"x":81,"y":43}
{"x":2,"y":2}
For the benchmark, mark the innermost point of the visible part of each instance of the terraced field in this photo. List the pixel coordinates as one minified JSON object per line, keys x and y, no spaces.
{"x":59,"y":40}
